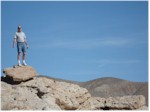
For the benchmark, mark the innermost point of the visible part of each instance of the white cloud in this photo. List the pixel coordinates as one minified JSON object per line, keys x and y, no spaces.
{"x":90,"y":43}
{"x":112,"y":61}
{"x":105,"y":61}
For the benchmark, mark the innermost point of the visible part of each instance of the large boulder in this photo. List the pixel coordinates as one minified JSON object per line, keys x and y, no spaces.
{"x":43,"y":94}
{"x":125,"y":102}
{"x":93,"y":103}
{"x":114,"y":103}
{"x":22,"y":73}
{"x":24,"y":98}
{"x":68,"y":96}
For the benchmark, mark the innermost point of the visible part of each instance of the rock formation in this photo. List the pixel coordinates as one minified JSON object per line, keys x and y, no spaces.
{"x":42,"y":93}
{"x":114,"y":103}
{"x":22,"y":73}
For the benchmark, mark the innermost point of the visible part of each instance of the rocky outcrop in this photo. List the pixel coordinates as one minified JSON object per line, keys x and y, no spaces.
{"x":24,"y":98}
{"x":114,"y":103}
{"x":22,"y":73}
{"x":42,"y":93}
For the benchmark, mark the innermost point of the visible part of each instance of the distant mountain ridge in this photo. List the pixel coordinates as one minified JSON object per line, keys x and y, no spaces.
{"x":110,"y":87}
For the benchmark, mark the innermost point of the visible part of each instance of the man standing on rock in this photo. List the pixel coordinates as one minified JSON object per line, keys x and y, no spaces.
{"x":20,"y":39}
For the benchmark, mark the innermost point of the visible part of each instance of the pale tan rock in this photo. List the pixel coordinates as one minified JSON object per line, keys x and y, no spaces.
{"x":135,"y":102}
{"x":68,"y":96}
{"x":143,"y":108}
{"x":25,"y":98}
{"x":125,"y":102}
{"x":93,"y":103}
{"x":20,"y":73}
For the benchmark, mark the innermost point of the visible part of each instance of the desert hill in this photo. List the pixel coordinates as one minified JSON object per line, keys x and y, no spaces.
{"x":111,"y":87}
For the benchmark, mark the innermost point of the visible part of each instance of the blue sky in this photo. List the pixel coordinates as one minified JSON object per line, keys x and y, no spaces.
{"x":79,"y":41}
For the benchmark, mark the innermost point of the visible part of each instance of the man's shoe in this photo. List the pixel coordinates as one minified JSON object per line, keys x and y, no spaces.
{"x":24,"y":63}
{"x":19,"y":64}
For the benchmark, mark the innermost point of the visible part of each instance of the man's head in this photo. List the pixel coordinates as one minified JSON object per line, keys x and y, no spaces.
{"x":19,"y":28}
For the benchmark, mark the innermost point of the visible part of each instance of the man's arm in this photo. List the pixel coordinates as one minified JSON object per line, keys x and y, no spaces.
{"x":26,"y":43}
{"x":14,"y":42}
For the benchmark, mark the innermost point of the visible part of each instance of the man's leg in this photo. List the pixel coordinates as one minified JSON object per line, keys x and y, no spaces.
{"x":23,"y":58}
{"x":18,"y":57}
{"x":24,"y":55}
